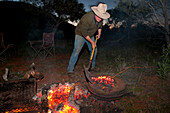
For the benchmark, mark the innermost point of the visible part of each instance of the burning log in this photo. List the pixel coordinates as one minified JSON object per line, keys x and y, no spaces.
{"x":33,"y":72}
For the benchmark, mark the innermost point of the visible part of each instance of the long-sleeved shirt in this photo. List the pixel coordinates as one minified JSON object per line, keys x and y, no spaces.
{"x":87,"y":25}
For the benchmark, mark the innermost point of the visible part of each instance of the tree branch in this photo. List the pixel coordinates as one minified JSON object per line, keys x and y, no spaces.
{"x":156,"y":15}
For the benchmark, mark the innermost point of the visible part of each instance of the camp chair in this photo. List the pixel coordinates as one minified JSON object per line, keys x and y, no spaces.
{"x":3,"y":48}
{"x":45,"y":46}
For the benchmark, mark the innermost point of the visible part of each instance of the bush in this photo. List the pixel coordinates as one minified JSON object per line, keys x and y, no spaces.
{"x":164,"y":65}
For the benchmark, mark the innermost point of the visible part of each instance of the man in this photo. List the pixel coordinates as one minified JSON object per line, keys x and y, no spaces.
{"x":89,"y":24}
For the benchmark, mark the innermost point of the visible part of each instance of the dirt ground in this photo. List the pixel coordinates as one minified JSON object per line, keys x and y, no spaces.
{"x":151,"y":94}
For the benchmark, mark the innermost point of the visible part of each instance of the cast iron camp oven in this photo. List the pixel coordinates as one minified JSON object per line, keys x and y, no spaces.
{"x":114,"y":93}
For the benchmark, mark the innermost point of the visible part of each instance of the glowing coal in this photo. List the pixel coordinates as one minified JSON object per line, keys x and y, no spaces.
{"x":62,"y":98}
{"x":105,"y":83}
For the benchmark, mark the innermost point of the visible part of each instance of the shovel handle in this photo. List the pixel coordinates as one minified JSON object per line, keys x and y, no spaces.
{"x":93,"y":51}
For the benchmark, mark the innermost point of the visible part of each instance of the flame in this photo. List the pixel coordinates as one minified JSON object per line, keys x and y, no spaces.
{"x":18,"y":110}
{"x":21,"y":110}
{"x":58,"y":100}
{"x":62,"y":98}
{"x":68,"y":109}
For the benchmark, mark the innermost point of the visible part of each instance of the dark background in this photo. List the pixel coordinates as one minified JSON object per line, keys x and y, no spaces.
{"x":21,"y":22}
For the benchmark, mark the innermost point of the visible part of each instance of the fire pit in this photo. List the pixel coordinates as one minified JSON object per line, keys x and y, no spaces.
{"x":105,"y":87}
{"x":61,"y":98}
{"x":71,"y":98}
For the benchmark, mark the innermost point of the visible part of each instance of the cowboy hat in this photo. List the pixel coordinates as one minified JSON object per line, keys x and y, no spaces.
{"x":100,"y":11}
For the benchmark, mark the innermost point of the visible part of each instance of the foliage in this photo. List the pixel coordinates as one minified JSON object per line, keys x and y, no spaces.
{"x":69,"y":9}
{"x":64,"y":10}
{"x":18,"y":20}
{"x":137,"y":11}
{"x":23,"y":21}
{"x":160,"y":16}
{"x":164,"y":65}
{"x":149,"y":12}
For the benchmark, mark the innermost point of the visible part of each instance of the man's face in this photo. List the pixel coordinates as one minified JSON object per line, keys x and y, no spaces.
{"x":98,"y":19}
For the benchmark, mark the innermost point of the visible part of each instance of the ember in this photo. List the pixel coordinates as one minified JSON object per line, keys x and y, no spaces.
{"x":21,"y":110}
{"x":58,"y":98}
{"x":63,"y":98}
{"x":106,"y":83}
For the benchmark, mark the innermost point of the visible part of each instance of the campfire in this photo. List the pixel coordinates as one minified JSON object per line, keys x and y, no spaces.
{"x":58,"y":99}
{"x":62,"y":98}
{"x":69,"y":97}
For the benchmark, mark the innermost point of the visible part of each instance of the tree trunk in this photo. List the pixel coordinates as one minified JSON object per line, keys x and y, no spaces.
{"x":166,"y":27}
{"x":167,"y":30}
{"x":165,"y":13}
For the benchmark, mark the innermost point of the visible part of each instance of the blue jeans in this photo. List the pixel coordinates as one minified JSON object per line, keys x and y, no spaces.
{"x":78,"y":44}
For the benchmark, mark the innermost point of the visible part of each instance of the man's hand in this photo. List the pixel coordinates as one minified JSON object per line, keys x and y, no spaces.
{"x":99,"y":33}
{"x":98,"y":36}
{"x":93,"y":44}
{"x":91,"y":41}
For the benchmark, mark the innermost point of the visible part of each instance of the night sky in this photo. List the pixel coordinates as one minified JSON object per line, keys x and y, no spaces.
{"x":87,"y":3}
